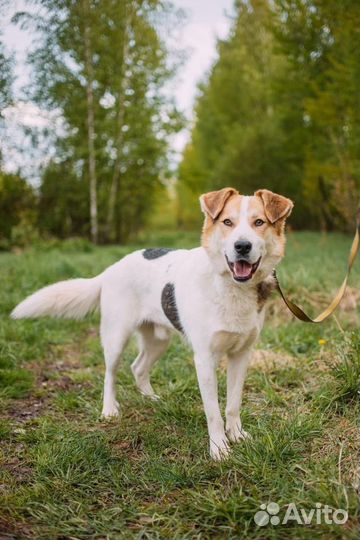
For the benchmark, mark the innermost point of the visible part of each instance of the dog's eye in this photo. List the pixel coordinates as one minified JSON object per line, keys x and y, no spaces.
{"x":227,"y":222}
{"x":259,"y":222}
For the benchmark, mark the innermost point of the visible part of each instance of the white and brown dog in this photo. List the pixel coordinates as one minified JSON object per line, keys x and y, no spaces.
{"x":213,"y":295}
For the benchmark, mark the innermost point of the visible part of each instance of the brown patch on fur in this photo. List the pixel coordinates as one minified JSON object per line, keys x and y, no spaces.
{"x":276,"y":207}
{"x":226,"y":204}
{"x":212,"y":203}
{"x":230,"y":210}
{"x":264,"y":290}
{"x":257,"y":211}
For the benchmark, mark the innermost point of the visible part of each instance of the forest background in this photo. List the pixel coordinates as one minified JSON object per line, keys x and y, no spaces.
{"x":278,"y":108}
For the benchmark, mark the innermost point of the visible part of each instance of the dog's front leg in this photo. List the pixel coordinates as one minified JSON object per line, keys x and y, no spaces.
{"x":236,"y":373}
{"x":206,"y":373}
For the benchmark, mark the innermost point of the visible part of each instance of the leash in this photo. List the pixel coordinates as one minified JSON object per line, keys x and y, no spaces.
{"x":299,"y":313}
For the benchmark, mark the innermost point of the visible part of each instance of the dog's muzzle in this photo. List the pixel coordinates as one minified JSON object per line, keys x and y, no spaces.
{"x":242,"y":270}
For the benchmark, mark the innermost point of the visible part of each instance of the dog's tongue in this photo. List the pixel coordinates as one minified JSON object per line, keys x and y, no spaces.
{"x":242,"y":269}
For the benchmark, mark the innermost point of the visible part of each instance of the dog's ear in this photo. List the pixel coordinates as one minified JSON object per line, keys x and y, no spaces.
{"x":212,"y":203}
{"x":276,"y":206}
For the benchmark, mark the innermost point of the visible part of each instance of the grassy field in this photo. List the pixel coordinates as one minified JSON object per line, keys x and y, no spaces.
{"x":65,"y":473}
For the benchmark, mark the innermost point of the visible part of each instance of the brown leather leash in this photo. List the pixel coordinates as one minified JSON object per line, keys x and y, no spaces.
{"x":299,"y":313}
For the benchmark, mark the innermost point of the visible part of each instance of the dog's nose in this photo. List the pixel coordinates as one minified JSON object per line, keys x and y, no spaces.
{"x":243,"y":247}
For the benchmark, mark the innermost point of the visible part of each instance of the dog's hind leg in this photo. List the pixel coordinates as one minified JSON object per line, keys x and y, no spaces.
{"x":151,"y":347}
{"x":115,"y":334}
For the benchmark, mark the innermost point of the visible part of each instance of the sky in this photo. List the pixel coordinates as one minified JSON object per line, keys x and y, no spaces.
{"x":206,"y":21}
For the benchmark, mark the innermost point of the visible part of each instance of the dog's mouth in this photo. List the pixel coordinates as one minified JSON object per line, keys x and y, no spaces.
{"x":242,"y":270}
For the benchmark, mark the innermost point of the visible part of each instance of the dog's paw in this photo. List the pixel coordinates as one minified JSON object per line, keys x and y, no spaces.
{"x":110,"y":410}
{"x":236,"y":434}
{"x":219,"y":451}
{"x":149,"y":394}
{"x":154,"y":397}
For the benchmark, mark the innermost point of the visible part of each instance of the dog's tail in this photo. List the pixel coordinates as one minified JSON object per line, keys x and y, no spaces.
{"x":71,"y":299}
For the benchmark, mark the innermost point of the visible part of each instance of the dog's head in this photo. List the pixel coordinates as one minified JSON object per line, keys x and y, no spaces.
{"x":243,"y":235}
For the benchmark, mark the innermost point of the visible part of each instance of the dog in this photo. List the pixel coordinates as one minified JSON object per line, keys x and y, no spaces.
{"x":213,"y":295}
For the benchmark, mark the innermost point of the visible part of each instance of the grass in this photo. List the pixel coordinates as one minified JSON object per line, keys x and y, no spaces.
{"x":67,"y":474}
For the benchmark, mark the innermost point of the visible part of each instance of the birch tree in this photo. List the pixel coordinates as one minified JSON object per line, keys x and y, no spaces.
{"x":89,"y":72}
{"x":102,"y":66}
{"x":129,"y":11}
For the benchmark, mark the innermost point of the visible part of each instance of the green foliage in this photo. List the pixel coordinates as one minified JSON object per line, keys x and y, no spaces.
{"x":17,"y":209}
{"x":280,"y":110}
{"x":63,"y":205}
{"x":24,"y":234}
{"x":321,"y":39}
{"x":6,"y":79}
{"x":105,"y":64}
{"x":18,"y":202}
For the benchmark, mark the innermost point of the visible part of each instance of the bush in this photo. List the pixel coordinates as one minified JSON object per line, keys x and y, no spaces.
{"x":24,"y":234}
{"x":17,"y":204}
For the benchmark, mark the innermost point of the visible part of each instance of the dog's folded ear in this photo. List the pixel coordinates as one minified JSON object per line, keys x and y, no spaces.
{"x":212,"y":203}
{"x":276,"y":206}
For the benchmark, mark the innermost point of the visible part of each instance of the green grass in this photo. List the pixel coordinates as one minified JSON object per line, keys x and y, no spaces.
{"x":67,"y":474}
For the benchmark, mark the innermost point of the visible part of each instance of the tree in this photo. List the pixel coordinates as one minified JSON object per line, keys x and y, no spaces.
{"x":321,"y":41}
{"x":237,"y":138}
{"x":103,"y":66}
{"x":17,"y":198}
{"x":63,"y":209}
{"x":280,"y":109}
{"x":89,"y":76}
{"x":128,"y":16}
{"x":6,"y":80}
{"x":334,"y":112}
{"x":17,"y":203}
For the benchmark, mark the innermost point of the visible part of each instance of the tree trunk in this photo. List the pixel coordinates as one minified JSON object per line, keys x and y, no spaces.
{"x":114,"y":187}
{"x":90,"y":125}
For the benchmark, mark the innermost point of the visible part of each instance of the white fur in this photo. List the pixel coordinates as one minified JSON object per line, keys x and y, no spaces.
{"x":243,"y":231}
{"x":218,"y":317}
{"x":72,"y":299}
